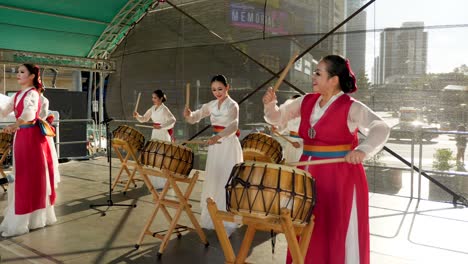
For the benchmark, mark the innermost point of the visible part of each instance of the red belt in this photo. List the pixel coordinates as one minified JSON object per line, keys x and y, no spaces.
{"x":217,"y":129}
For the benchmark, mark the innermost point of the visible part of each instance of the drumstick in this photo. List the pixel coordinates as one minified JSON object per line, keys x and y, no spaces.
{"x":283,"y":137}
{"x":137,"y":102}
{"x":187,"y":95}
{"x":144,"y":126}
{"x":195,"y":142}
{"x":285,"y":71}
{"x":315,"y":162}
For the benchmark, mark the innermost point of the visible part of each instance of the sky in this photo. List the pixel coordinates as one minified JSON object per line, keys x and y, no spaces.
{"x":447,"y":47}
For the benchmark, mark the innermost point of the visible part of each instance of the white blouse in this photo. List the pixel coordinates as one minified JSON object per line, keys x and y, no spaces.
{"x":44,"y":107}
{"x":31,"y":102}
{"x":227,"y":115}
{"x":360,"y":116}
{"x":160,"y":114}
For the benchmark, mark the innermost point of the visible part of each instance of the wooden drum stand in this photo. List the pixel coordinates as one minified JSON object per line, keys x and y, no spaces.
{"x":281,"y":224}
{"x":180,"y":204}
{"x":129,"y":162}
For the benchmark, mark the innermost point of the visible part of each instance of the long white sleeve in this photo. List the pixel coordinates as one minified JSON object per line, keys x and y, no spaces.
{"x":199,"y":114}
{"x":168,"y":117}
{"x":31,"y":103}
{"x":44,"y":107}
{"x":146,"y":117}
{"x":280,"y":116}
{"x":233,"y":115}
{"x":7,"y":107}
{"x":370,"y":124}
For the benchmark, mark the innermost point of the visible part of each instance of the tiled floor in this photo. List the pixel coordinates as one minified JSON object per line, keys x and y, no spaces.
{"x":402,"y":230}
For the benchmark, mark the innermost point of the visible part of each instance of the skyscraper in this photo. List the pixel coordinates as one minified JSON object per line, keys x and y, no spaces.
{"x":403,"y":51}
{"x":356,"y":36}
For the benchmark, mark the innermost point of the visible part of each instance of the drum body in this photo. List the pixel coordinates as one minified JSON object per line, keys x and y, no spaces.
{"x":160,"y":154}
{"x":128,"y":134}
{"x":262,"y":147}
{"x":262,"y":189}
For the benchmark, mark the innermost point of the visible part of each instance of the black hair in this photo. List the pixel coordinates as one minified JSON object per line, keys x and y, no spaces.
{"x":339,"y":66}
{"x":34,"y":69}
{"x":160,"y":95}
{"x":219,"y":78}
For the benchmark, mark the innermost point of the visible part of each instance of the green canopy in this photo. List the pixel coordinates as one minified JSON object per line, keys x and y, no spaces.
{"x":66,"y":28}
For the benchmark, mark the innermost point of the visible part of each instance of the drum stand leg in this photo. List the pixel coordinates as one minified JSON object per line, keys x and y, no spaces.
{"x":181,"y":204}
{"x":283,"y":224}
{"x":124,"y":165}
{"x":109,"y":158}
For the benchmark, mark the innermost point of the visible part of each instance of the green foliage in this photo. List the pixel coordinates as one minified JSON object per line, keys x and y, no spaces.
{"x":362,"y":81}
{"x":442,"y":158}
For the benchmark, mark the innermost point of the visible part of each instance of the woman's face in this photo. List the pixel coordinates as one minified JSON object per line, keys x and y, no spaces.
{"x":156,"y":100}
{"x":219,"y":90}
{"x":321,"y":79}
{"x":24,"y":77}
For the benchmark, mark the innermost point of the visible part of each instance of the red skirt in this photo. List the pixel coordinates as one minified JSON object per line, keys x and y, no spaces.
{"x":31,"y":152}
{"x":335,"y":184}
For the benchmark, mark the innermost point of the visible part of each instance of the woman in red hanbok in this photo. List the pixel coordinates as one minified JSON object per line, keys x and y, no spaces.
{"x":330,"y":120}
{"x":31,"y":195}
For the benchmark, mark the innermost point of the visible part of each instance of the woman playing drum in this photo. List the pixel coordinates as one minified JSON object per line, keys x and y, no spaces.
{"x":224,"y":117}
{"x":330,"y":120}
{"x":32,"y":196}
{"x":163,"y":123}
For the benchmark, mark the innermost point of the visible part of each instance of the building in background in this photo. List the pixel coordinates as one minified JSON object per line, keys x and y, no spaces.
{"x":356,"y":36}
{"x":403,"y":52}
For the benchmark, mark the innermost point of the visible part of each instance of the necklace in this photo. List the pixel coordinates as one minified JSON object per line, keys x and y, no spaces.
{"x":311,"y":133}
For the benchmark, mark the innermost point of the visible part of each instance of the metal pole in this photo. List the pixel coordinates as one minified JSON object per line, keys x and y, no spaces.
{"x":90,"y":95}
{"x":4,"y":79}
{"x":101,"y":106}
{"x":412,"y":165}
{"x":420,"y":167}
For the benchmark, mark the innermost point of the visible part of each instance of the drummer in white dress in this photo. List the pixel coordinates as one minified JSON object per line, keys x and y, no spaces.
{"x":292,"y":151}
{"x":163,"y":124}
{"x":224,"y":117}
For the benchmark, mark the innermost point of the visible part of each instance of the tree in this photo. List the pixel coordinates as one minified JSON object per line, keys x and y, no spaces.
{"x":462,"y":69}
{"x":364,"y":88}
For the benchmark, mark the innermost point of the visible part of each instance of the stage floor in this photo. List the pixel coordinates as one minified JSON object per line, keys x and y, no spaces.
{"x":402,"y":230}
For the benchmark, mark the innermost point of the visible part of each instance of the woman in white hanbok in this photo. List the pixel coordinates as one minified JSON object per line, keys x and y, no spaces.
{"x":292,"y":152}
{"x":44,"y":115}
{"x":224,"y":117}
{"x":163,"y":124}
{"x":31,"y":195}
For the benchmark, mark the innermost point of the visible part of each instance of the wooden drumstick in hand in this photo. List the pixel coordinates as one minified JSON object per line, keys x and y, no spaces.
{"x":200,"y":142}
{"x":187,"y":95}
{"x":145,"y":126}
{"x":137,"y":102}
{"x":285,"y":71}
{"x":294,"y":143}
{"x":316,"y":162}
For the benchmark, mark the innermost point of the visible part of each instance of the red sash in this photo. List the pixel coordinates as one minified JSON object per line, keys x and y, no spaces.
{"x":170,"y":131}
{"x":217,"y":129}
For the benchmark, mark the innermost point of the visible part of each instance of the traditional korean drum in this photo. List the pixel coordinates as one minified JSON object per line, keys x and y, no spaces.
{"x":262,"y":189}
{"x":128,"y":134}
{"x":160,"y":154}
{"x":262,"y":147}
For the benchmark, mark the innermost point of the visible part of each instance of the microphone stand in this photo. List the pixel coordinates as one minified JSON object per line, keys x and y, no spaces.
{"x":109,"y":159}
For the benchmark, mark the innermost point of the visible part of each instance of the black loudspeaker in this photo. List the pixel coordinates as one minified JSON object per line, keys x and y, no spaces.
{"x":70,"y":105}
